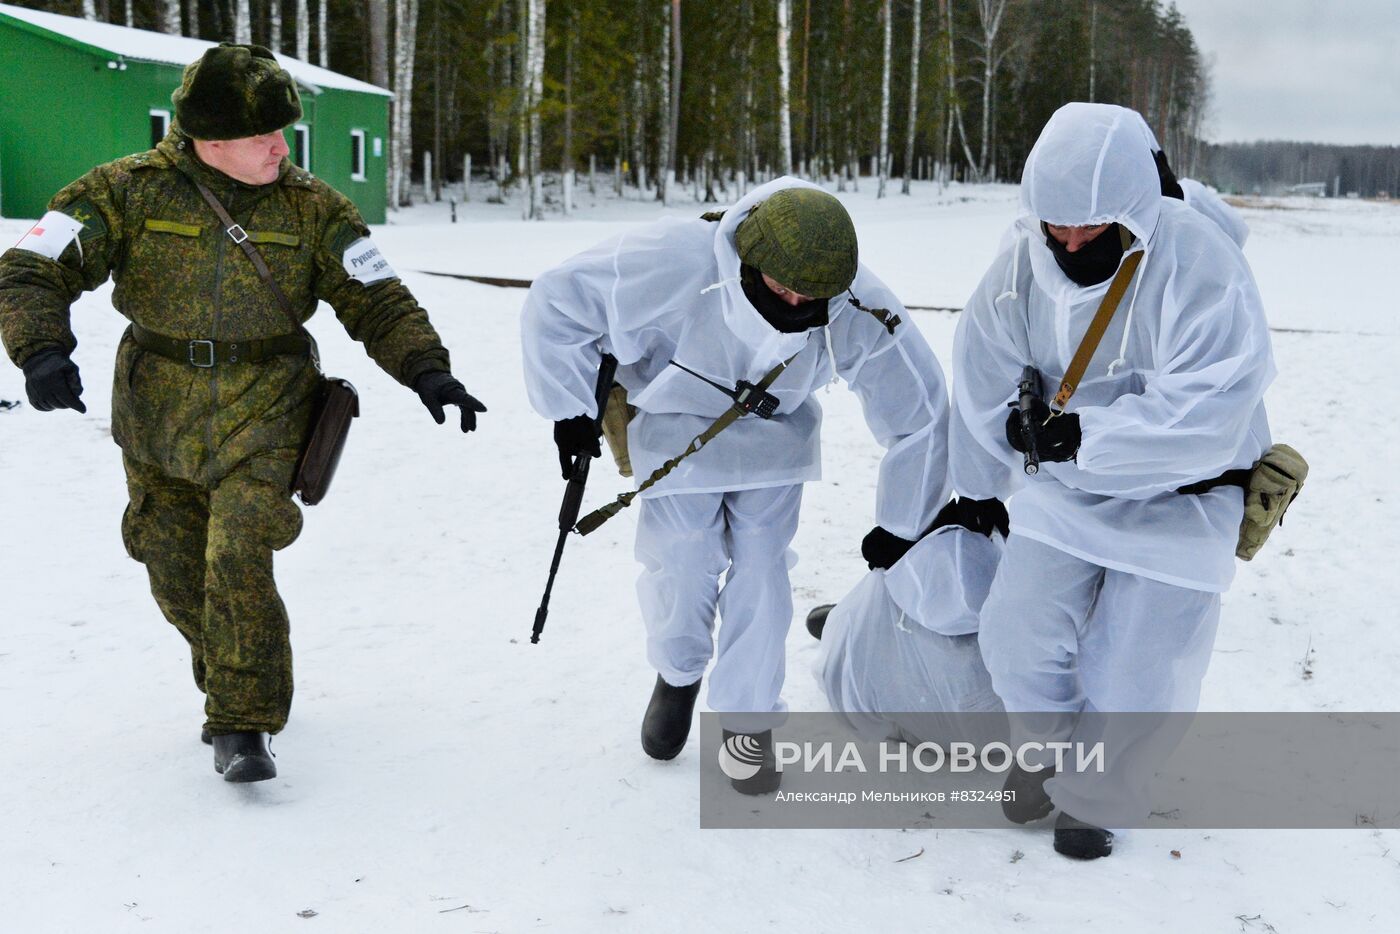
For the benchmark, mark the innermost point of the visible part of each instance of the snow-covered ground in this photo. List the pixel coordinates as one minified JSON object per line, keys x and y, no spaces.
{"x":440,"y":773}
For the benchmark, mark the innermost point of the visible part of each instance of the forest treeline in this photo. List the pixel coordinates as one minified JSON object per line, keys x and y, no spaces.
{"x":658,"y":93}
{"x":1276,"y":167}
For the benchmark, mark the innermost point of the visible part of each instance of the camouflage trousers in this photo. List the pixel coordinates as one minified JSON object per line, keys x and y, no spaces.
{"x":208,"y":552}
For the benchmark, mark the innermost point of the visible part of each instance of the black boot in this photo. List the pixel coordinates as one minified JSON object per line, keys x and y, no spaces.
{"x":744,"y":751}
{"x":243,"y":757}
{"x":1078,"y":840}
{"x":1026,"y":800}
{"x":666,"y":725}
{"x":205,"y":736}
{"x":816,"y":620}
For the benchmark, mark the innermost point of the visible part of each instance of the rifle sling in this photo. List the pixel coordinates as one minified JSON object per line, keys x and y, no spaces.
{"x":597,"y":517}
{"x":1097,"y":328}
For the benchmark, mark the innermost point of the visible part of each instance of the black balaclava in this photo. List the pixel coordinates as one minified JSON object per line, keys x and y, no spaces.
{"x":789,"y":319}
{"x":1171,"y":188}
{"x":1095,"y":261}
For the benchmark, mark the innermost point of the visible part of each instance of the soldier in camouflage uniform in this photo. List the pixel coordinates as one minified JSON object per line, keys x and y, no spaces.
{"x":214,"y":389}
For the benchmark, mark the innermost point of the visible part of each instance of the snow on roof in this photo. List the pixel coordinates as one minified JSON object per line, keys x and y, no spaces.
{"x":144,"y":45}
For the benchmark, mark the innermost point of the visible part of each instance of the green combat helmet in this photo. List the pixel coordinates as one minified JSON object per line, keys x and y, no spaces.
{"x":233,"y":92}
{"x":804,"y":239}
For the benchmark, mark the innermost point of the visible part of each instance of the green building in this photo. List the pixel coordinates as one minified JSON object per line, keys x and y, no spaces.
{"x":75,"y":93}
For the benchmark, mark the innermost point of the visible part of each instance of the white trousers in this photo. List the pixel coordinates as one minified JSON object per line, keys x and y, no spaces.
{"x":1065,"y":640}
{"x":685,"y":542}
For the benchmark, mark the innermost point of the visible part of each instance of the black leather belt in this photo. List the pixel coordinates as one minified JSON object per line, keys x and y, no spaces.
{"x":205,"y":354}
{"x":1238,"y":477}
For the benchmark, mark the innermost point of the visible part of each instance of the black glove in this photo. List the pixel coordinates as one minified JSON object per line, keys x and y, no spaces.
{"x":882,"y":549}
{"x":575,"y":436}
{"x":1056,"y":439}
{"x":438,"y":388}
{"x":52,"y":382}
{"x":983,"y":516}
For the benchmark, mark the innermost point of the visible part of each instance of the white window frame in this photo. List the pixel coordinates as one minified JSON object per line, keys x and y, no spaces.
{"x":165,"y":119}
{"x":304,"y":131}
{"x":357,"y":172}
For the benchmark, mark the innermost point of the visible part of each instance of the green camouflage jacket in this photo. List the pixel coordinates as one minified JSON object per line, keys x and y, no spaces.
{"x":179,"y":274}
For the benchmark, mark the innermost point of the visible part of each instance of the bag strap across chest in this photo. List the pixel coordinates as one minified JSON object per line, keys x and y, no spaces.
{"x":239,"y":236}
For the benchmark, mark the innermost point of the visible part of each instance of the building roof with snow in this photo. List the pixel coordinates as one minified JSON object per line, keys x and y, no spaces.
{"x":75,"y":93}
{"x":145,"y":46}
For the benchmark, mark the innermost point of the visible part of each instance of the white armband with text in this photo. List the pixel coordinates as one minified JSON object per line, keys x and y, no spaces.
{"x":364,"y":262}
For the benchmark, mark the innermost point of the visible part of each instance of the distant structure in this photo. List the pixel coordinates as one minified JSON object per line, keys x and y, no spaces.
{"x":1315,"y":189}
{"x":75,"y":93}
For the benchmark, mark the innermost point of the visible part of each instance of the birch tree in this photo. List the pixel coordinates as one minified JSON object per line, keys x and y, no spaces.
{"x":401,"y":148}
{"x":89,"y":9}
{"x":784,"y":79}
{"x":566,"y":162}
{"x":674,"y":118}
{"x":913,"y":99}
{"x":192,"y":18}
{"x":534,"y":69}
{"x":663,"y":77}
{"x":169,"y":16}
{"x":522,"y":96}
{"x":274,"y":24}
{"x":887,"y":12}
{"x":303,"y":28}
{"x":242,"y":21}
{"x":990,"y":12}
{"x":638,"y":123}
{"x":322,"y":52}
{"x":378,"y":42}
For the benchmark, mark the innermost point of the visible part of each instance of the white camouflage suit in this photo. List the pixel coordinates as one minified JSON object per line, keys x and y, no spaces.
{"x":903,"y":642}
{"x":1108,"y":593}
{"x":668,"y":291}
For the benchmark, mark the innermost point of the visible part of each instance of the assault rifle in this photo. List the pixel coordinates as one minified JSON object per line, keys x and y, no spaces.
{"x":1027,"y":394}
{"x":573,"y":492}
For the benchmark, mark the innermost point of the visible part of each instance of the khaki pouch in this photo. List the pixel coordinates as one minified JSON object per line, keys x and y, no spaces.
{"x":616,"y":417}
{"x":1273,"y":484}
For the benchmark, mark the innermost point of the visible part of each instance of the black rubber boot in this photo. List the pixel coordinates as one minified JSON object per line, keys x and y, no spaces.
{"x":1078,"y":840}
{"x":816,"y":620}
{"x":744,"y":752}
{"x":205,"y":736}
{"x":243,"y":757}
{"x":666,"y":725}
{"x":1028,"y":800}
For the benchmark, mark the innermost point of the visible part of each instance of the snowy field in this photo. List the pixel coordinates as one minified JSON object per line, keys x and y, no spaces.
{"x":441,"y":774}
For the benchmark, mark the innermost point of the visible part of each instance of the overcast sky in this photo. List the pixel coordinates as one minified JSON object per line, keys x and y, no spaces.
{"x":1312,"y":70}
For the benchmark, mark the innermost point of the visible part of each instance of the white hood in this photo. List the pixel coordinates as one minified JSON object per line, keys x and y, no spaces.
{"x":1092,"y":165}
